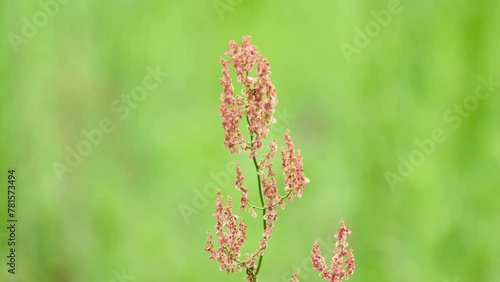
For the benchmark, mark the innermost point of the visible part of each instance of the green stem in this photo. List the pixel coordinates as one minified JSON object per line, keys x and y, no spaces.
{"x":263,"y":208}
{"x":264,"y":223}
{"x":260,"y":192}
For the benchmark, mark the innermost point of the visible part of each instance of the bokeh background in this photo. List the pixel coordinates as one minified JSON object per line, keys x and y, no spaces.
{"x":134,"y":208}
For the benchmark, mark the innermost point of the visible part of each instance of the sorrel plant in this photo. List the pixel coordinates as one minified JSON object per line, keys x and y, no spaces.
{"x":255,"y":106}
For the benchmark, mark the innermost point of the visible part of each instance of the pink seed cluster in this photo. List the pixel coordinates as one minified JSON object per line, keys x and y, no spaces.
{"x":231,"y":234}
{"x":230,"y":111}
{"x":270,"y":189}
{"x":342,"y":265}
{"x":293,"y":170}
{"x":239,"y":185}
{"x":256,"y":101}
{"x":294,"y":276}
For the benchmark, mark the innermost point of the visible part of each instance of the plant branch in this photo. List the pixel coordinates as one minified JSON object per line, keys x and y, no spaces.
{"x":263,"y":208}
{"x":264,"y":223}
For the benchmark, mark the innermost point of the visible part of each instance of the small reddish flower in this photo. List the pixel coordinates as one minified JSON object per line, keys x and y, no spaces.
{"x":239,"y":185}
{"x":293,"y":169}
{"x":342,"y":265}
{"x":294,"y":276}
{"x":270,"y":189}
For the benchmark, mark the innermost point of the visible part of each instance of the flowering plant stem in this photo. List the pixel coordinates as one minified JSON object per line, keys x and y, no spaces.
{"x":256,"y":104}
{"x":257,"y":169}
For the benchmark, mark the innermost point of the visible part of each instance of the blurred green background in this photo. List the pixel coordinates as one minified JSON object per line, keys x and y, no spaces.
{"x":117,"y":216}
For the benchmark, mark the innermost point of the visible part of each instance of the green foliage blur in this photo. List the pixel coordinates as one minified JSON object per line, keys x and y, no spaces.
{"x":134,"y":208}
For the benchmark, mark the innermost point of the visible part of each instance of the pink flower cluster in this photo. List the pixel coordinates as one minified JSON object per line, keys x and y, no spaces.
{"x":342,"y":265}
{"x":270,"y":189}
{"x":231,"y":234}
{"x":294,"y":276}
{"x":230,"y":110}
{"x":293,"y":169}
{"x":239,"y":185}
{"x":256,"y":102}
